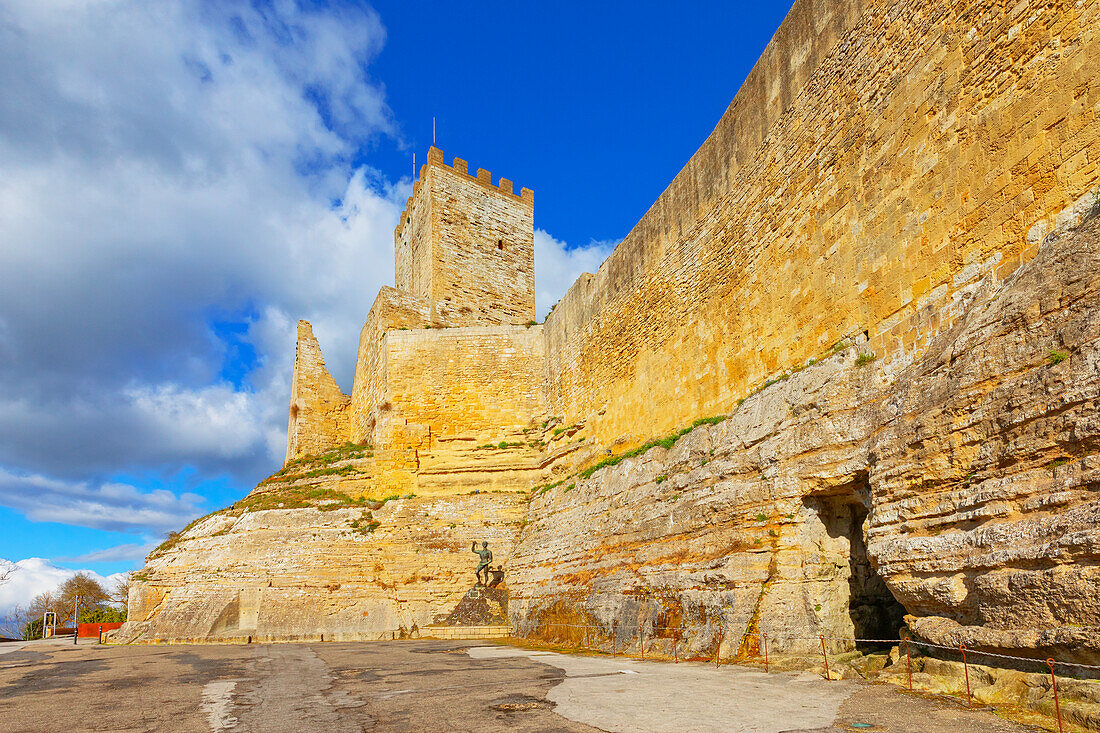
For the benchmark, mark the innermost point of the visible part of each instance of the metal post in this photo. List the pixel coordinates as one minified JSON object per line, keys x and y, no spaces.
{"x":1054,"y":686}
{"x":764,"y":638}
{"x":826,"y":656}
{"x":966,"y":672}
{"x":908,"y":665}
{"x":101,"y":633}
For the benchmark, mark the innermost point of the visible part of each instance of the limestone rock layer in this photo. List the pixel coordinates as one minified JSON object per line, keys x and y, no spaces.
{"x":304,"y":573}
{"x":965,"y":494}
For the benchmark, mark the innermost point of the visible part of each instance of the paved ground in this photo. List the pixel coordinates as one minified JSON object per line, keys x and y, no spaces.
{"x":433,"y":686}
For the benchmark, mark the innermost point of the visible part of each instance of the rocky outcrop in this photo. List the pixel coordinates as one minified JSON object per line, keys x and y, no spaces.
{"x":962,"y":492}
{"x":986,"y":473}
{"x":316,"y":551}
{"x":742,"y":526}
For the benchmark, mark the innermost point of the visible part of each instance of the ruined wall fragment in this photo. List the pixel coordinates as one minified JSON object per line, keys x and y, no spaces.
{"x":318,"y":409}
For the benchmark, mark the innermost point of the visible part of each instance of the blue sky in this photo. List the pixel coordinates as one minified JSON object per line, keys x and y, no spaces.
{"x":181,"y":181}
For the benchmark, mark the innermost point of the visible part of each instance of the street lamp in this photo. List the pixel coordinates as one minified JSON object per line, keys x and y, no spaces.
{"x":76,"y":620}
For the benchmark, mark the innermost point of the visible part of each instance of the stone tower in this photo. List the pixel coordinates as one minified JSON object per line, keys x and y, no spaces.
{"x":453,"y":330}
{"x":467,"y":246}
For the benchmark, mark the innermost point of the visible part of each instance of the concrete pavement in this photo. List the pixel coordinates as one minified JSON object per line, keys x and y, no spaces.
{"x":433,"y":686}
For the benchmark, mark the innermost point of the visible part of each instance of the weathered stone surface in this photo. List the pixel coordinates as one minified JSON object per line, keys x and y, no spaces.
{"x":886,"y":180}
{"x":740,"y":526}
{"x":976,"y":471}
{"x":318,"y":409}
{"x":286,"y":574}
{"x":986,"y":474}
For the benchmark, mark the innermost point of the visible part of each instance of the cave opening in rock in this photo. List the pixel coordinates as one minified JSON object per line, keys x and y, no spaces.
{"x":874,"y":611}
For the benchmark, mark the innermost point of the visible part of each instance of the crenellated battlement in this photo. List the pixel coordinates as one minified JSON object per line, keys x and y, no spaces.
{"x":482,"y":176}
{"x":462,"y":167}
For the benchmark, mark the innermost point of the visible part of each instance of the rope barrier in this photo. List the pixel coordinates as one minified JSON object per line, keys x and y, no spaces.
{"x":1054,"y":686}
{"x":679,"y":632}
{"x":642,"y":629}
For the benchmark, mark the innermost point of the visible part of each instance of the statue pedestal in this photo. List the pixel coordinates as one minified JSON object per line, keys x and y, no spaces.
{"x":481,"y":614}
{"x":479,"y":606}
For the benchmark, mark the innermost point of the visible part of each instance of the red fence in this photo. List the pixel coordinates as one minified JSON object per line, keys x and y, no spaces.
{"x":93,"y":630}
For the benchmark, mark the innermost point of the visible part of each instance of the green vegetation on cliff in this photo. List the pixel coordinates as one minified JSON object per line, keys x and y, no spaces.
{"x":289,"y":494}
{"x":308,"y":467}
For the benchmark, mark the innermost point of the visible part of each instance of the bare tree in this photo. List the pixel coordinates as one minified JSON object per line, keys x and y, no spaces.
{"x":81,"y":589}
{"x":42,"y":602}
{"x":12,"y":623}
{"x":120,"y":594}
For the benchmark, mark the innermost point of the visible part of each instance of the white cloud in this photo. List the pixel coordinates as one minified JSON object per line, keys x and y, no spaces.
{"x":118,"y":553}
{"x":217,"y":420}
{"x":36,"y":575}
{"x":557,"y":266}
{"x":110,"y":506}
{"x":164,"y":166}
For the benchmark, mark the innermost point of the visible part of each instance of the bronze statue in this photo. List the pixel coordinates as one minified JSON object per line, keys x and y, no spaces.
{"x":486,"y":556}
{"x":497,"y":575}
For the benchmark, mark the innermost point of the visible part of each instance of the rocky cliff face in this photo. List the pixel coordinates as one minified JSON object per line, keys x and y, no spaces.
{"x":986,"y":471}
{"x":963,"y":493}
{"x":317,"y":551}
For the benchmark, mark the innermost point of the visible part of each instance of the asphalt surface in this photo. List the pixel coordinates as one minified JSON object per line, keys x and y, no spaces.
{"x":433,"y":686}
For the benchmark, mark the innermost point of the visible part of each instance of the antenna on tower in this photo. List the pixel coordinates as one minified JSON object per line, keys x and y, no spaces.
{"x":433,"y":130}
{"x":414,"y":166}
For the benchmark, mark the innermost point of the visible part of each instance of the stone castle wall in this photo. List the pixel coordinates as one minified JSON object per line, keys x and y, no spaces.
{"x":880,"y":158}
{"x":412,"y":250}
{"x":413,"y":380}
{"x":480,"y":381}
{"x":902,"y":179}
{"x":393,"y":309}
